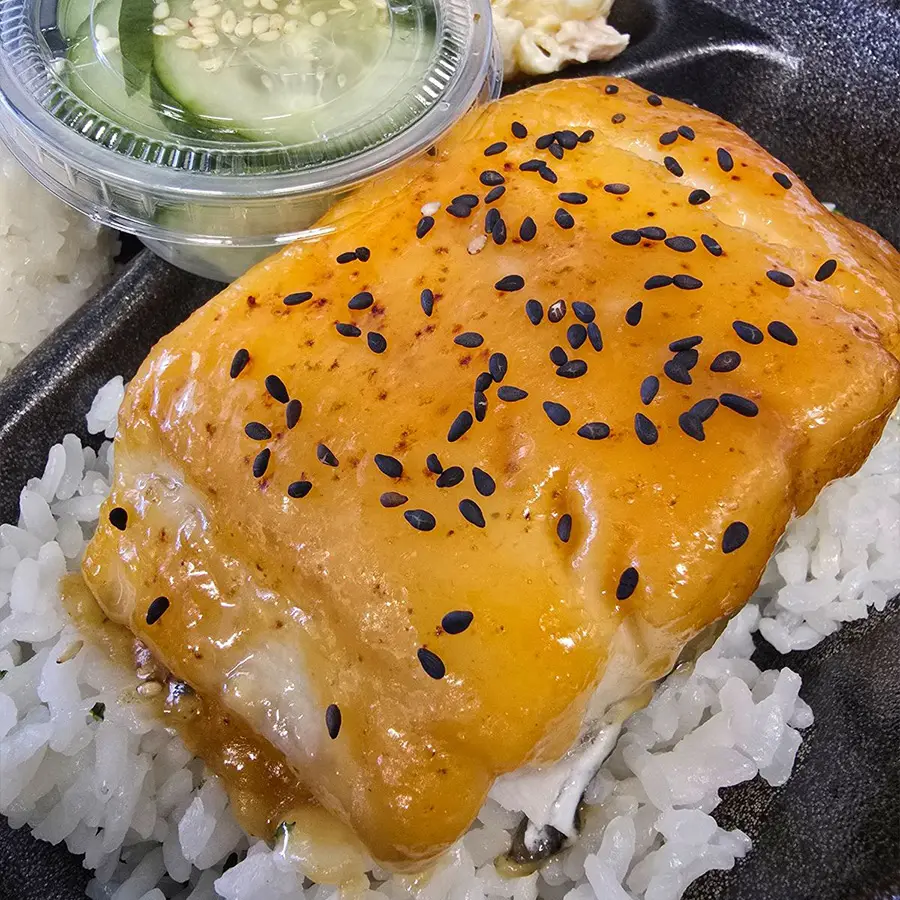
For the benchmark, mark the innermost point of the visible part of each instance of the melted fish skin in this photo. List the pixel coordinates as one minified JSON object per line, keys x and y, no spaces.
{"x":310,"y":553}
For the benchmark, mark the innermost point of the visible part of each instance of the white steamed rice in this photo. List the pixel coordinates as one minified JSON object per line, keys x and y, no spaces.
{"x":154,"y":825}
{"x":52,"y":259}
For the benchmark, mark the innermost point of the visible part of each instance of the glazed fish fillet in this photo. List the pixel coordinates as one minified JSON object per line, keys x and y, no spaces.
{"x":417,"y":503}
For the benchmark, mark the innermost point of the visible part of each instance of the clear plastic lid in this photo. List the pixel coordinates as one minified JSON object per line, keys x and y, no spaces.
{"x":126,"y":108}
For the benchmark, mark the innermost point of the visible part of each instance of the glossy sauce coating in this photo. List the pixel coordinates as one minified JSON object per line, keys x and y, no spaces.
{"x":286,"y":600}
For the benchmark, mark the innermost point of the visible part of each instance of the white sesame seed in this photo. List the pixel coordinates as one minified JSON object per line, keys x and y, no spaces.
{"x":208,"y":40}
{"x":185,"y":42}
{"x":251,"y":4}
{"x":210,"y":12}
{"x":70,"y":652}
{"x":162,"y":30}
{"x":244,"y":28}
{"x":228,"y":21}
{"x":200,"y":22}
{"x":270,"y":5}
{"x":150,"y":689}
{"x":213,"y":64}
{"x":200,"y":30}
{"x":429,"y":209}
{"x":276,"y":21}
{"x":318,"y":19}
{"x":292,"y":9}
{"x":175,"y":24}
{"x":260,"y":25}
{"x":107,"y":45}
{"x":476,"y":245}
{"x":101,"y":32}
{"x":289,"y":28}
{"x":349,"y":5}
{"x":269,"y":36}
{"x":161,"y":11}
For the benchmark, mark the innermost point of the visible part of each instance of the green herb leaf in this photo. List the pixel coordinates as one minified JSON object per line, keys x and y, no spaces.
{"x":98,"y":710}
{"x":136,"y":43}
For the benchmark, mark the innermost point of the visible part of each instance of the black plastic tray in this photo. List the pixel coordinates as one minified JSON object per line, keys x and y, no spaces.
{"x":816,"y":82}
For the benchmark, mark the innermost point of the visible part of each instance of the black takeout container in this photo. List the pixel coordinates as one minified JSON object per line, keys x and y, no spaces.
{"x":814,"y":81}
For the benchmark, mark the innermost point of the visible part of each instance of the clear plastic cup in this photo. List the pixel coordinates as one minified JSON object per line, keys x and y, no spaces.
{"x":217,"y":130}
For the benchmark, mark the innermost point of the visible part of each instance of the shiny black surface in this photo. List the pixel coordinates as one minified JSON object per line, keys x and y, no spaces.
{"x":816,"y":82}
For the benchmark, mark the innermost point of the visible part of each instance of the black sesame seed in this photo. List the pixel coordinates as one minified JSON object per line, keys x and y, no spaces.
{"x":363,"y":254}
{"x":691,"y":426}
{"x":564,"y":218}
{"x":557,"y":311}
{"x":567,"y":139}
{"x":556,"y":413}
{"x":333,"y":720}
{"x":450,"y":477}
{"x":256,"y":431}
{"x":348,"y":257}
{"x":735,"y":537}
{"x":544,"y":141}
{"x":687,"y":282}
{"x":498,"y":366}
{"x":783,"y":333}
{"x":483,"y":381}
{"x":470,"y":339}
{"x":118,"y":518}
{"x":518,"y":130}
{"x":628,"y":581}
{"x":678,"y":374}
{"x":618,"y":118}
{"x":747,"y":332}
{"x":510,"y":283}
{"x":584,"y":312}
{"x":431,"y":662}
{"x":711,"y":244}
{"x":783,"y":180}
{"x":347,"y":329}
{"x":668,"y":137}
{"x":616,"y":188}
{"x":325,"y":456}
{"x":686,"y":358}
{"x":653,"y":100}
{"x":724,"y":159}
{"x":576,"y":335}
{"x":494,"y":194}
{"x":457,"y":621}
{"x":657,"y":281}
{"x":628,"y":237}
{"x":558,"y":356}
{"x":426,"y":298}
{"x":532,"y":165}
{"x":685,"y":343}
{"x":239,"y":362}
{"x":556,"y":151}
{"x":156,"y":609}
{"x":297,"y":298}
{"x":741,"y":405}
{"x":498,"y":232}
{"x":727,"y":361}
{"x":433,"y":464}
{"x":534,"y":311}
{"x":594,"y":431}
{"x":611,"y":89}
{"x":564,"y":528}
{"x":673,"y":166}
{"x":681,"y":243}
{"x":695,"y":198}
{"x":548,"y":174}
{"x":459,"y":210}
{"x":472,"y":513}
{"x":826,"y":270}
{"x":528,"y":229}
{"x":495,"y":148}
{"x":426,"y":223}
{"x":645,"y":429}
{"x":574,"y":368}
{"x":633,"y":313}
{"x":362,"y":300}
{"x":686,"y":132}
{"x":649,"y":389}
{"x":292,"y":413}
{"x":470,"y":200}
{"x":491,"y":218}
{"x":420,"y":519}
{"x":491,"y":178}
{"x":484,"y":484}
{"x":460,"y":425}
{"x":780,"y":278}
{"x":574,"y":198}
{"x":389,"y":465}
{"x":652,"y":233}
{"x":703,"y":409}
{"x":299,"y":489}
{"x":261,"y":462}
{"x":510,"y":394}
{"x":586,"y":136}
{"x":377,"y":342}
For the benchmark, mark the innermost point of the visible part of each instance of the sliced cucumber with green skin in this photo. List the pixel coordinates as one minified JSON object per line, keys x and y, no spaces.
{"x":297,"y":88}
{"x":71,"y":15}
